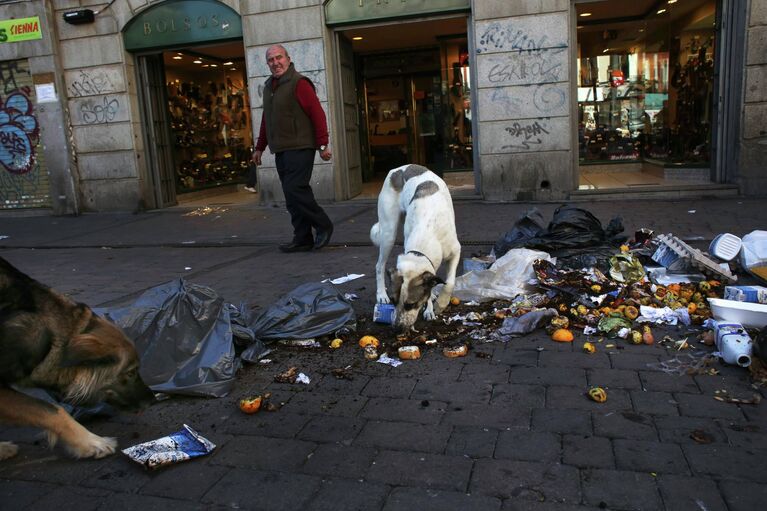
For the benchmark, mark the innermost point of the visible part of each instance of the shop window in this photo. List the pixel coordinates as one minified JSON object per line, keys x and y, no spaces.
{"x":419,"y":107}
{"x":645,"y":83}
{"x":209,"y":118}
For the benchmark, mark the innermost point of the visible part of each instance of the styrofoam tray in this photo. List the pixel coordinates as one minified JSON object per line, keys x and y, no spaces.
{"x":752,"y":315}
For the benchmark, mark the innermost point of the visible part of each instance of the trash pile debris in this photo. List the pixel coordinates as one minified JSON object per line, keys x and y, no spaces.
{"x":576,"y":276}
{"x":570,"y":277}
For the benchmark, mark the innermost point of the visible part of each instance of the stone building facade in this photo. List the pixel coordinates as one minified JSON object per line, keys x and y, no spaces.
{"x":93,"y":147}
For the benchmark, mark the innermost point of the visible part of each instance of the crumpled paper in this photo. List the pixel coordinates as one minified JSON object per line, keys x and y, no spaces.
{"x":665,"y":315}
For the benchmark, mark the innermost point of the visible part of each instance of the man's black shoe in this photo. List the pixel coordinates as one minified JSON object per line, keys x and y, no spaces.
{"x":295,"y":247}
{"x":323,"y":238}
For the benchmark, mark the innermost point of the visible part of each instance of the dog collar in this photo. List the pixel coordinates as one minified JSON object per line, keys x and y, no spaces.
{"x":415,"y":252}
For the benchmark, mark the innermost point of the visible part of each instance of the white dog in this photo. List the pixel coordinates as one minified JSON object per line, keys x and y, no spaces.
{"x":430,"y":239}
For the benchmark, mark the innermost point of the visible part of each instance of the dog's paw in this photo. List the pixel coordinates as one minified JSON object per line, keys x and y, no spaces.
{"x":89,"y":445}
{"x":8,"y":450}
{"x":428,"y":311}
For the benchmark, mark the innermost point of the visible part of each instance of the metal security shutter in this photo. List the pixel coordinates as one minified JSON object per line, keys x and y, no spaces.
{"x":24,"y":179}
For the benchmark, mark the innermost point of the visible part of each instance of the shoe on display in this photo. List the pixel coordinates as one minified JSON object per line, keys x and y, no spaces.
{"x":250,"y":189}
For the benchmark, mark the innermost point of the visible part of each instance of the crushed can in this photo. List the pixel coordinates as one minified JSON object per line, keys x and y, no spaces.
{"x":383,"y":313}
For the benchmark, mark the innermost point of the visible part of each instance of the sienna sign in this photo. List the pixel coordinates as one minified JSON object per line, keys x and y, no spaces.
{"x":21,"y":29}
{"x":343,"y":12}
{"x":182,"y":23}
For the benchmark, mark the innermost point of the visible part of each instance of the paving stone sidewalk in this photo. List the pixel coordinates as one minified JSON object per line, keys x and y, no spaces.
{"x":507,"y":430}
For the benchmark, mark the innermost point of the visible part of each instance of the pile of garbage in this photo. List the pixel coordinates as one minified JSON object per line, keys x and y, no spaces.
{"x":570,"y":276}
{"x":575,"y":276}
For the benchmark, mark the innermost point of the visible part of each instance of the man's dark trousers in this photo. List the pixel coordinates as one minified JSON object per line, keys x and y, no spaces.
{"x":295,"y":171}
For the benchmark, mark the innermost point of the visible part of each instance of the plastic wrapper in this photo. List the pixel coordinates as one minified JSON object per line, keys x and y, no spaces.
{"x":508,"y":277}
{"x":308,"y":311}
{"x":182,"y":445}
{"x":626,"y":268}
{"x":526,"y":323}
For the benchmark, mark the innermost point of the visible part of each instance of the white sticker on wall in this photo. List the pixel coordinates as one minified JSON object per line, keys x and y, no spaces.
{"x":45,"y":93}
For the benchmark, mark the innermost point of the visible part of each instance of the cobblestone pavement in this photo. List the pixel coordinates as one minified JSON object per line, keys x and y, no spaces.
{"x":510,"y":430}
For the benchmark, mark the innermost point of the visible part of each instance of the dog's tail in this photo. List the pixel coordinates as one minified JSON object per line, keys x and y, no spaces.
{"x":375,"y":235}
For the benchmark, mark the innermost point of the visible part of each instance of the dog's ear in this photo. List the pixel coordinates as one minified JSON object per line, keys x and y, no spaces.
{"x":430,"y":280}
{"x":395,"y":285}
{"x":87,"y":350}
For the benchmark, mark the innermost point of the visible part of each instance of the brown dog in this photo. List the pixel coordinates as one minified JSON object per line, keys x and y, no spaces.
{"x":49,"y":341}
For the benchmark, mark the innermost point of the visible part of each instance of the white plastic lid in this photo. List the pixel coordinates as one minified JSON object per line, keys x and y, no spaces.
{"x":725,"y":247}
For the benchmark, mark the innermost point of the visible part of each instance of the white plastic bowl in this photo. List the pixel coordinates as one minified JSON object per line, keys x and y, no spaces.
{"x":752,"y":315}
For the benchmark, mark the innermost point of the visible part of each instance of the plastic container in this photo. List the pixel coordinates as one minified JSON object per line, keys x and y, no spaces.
{"x":752,"y":315}
{"x":383,"y":313}
{"x":725,"y":246}
{"x":734,"y":344}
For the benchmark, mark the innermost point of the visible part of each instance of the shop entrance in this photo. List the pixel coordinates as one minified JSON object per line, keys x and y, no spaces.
{"x":200,"y":116}
{"x":645,"y":88}
{"x":193,"y":97}
{"x":414,"y":96}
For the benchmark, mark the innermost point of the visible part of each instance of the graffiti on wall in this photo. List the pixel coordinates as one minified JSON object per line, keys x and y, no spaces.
{"x":100,"y":111}
{"x":8,"y":71}
{"x":526,"y":134}
{"x":89,"y":83}
{"x":544,"y":99}
{"x":499,"y":37}
{"x":22,"y":181}
{"x":18,"y":132}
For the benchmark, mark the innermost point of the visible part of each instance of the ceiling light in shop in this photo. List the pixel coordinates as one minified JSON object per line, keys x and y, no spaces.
{"x":660,"y":11}
{"x":198,"y":61}
{"x":176,"y":57}
{"x":228,"y":63}
{"x":585,"y":14}
{"x":605,"y":50}
{"x":205,"y":65}
{"x":672,"y":1}
{"x":232,"y":69}
{"x":214,"y":65}
{"x":357,"y":38}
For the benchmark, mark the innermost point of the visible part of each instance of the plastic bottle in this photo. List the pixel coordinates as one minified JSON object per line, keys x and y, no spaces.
{"x":734,"y":344}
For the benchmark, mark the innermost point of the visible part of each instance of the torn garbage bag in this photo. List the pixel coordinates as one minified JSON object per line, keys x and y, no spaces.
{"x":310,"y":310}
{"x":526,"y":323}
{"x":183,"y":335}
{"x":506,"y":278}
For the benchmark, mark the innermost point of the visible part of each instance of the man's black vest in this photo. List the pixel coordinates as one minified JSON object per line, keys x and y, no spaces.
{"x":287,"y":126}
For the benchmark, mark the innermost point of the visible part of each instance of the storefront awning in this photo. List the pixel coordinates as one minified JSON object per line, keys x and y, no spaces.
{"x":177,"y":23}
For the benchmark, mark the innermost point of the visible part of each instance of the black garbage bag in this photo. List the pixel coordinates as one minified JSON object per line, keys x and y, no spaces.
{"x":572,"y":233}
{"x":527,"y":227}
{"x":188,"y":338}
{"x":310,"y":310}
{"x":183,"y":335}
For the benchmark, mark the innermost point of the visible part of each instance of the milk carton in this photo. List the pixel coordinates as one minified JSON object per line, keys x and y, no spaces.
{"x":753,"y":294}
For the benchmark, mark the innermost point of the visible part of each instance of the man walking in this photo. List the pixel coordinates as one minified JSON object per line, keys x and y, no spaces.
{"x":294,"y":127}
